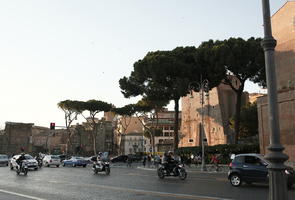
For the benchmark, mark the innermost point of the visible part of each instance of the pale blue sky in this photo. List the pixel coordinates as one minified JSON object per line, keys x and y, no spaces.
{"x":52,"y":50}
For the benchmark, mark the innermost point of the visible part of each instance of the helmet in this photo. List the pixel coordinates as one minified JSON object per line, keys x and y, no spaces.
{"x":170,"y":152}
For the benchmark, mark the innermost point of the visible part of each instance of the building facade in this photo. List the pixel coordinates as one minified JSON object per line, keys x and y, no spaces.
{"x":218,"y":108}
{"x":283,"y":26}
{"x":165,"y":122}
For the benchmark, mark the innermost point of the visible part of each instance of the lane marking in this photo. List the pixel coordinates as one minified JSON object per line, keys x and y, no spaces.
{"x":21,"y":195}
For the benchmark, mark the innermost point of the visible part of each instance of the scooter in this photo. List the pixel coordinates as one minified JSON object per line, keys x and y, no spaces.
{"x":23,"y":169}
{"x":179,"y":171}
{"x":102,"y":167}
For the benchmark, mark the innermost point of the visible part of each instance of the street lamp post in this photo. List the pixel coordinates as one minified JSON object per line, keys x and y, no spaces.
{"x":201,"y":86}
{"x":277,"y":183}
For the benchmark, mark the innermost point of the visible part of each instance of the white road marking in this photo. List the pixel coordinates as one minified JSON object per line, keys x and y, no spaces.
{"x":21,"y":195}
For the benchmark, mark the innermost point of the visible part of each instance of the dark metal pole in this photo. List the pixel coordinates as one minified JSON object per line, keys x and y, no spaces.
{"x":202,"y":84}
{"x":277,"y":177}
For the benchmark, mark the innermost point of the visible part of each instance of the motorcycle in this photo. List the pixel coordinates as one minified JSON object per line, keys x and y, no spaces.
{"x":40,"y":163}
{"x":23,"y":169}
{"x":103,"y":167}
{"x":178,"y":170}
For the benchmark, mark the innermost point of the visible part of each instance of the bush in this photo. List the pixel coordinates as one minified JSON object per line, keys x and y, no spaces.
{"x":224,"y":150}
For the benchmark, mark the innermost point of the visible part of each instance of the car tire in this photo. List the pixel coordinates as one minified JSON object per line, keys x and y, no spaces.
{"x":235,"y":180}
{"x":161,"y":173}
{"x":84,"y":166}
{"x":11,"y":167}
{"x":36,"y":169}
{"x":57,"y":165}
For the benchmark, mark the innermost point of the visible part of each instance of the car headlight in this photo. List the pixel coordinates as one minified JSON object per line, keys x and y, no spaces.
{"x":287,"y":172}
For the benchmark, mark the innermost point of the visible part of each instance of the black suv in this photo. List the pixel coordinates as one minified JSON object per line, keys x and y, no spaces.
{"x":250,"y":168}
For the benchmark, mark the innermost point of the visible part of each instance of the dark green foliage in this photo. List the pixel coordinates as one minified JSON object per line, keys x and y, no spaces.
{"x":249,"y":121}
{"x":223,"y":149}
{"x":127,"y":110}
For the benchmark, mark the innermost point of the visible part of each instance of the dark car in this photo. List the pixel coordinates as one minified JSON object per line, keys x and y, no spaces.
{"x":75,"y":161}
{"x":251,"y":168}
{"x":121,"y":158}
{"x":136,"y":157}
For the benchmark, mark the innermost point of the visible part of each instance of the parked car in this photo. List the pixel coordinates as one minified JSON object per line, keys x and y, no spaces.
{"x":30,"y":161}
{"x":62,"y":157}
{"x":49,"y":160}
{"x":75,"y":161}
{"x":136,"y":157}
{"x":121,"y":158}
{"x":250,"y":168}
{"x":3,"y":159}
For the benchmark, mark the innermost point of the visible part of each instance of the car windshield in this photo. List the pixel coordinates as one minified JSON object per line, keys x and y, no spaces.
{"x":3,"y":157}
{"x":28,"y":157}
{"x":55,"y":157}
{"x":263,"y":159}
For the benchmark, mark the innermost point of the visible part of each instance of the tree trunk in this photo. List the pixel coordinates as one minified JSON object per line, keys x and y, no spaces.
{"x":94,"y":140}
{"x":176,"y":122}
{"x":237,"y":117}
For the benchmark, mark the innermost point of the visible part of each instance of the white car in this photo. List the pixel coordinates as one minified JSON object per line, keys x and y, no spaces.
{"x":49,"y":160}
{"x":30,"y":161}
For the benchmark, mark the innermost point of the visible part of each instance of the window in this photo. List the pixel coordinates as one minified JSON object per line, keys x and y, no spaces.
{"x":191,"y":140}
{"x":166,"y":134}
{"x":252,"y":160}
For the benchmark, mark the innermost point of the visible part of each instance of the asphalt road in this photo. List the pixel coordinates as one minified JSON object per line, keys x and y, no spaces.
{"x":66,"y":183}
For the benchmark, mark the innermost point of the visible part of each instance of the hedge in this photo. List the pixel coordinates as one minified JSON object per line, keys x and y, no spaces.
{"x":224,"y":150}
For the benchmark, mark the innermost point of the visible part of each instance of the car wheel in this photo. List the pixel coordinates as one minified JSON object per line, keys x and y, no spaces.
{"x":235,"y":180}
{"x":182,"y":174}
{"x":84,"y":165}
{"x":161,"y":173}
{"x":57,"y":165}
{"x":36,"y":169}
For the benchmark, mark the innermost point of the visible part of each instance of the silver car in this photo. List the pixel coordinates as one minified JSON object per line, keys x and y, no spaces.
{"x":30,"y":161}
{"x":3,"y":160}
{"x":49,"y":160}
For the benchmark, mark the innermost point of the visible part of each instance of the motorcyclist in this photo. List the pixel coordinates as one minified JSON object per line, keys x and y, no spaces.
{"x":39,"y":158}
{"x":169,"y":161}
{"x":99,"y":160}
{"x":20,"y":160}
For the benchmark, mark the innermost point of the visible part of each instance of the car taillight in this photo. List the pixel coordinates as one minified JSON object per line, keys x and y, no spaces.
{"x":231,"y":165}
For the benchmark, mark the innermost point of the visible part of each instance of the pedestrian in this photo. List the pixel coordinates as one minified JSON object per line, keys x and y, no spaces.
{"x":129,"y":161}
{"x":149,"y":160}
{"x":144,"y":161}
{"x":215,"y":161}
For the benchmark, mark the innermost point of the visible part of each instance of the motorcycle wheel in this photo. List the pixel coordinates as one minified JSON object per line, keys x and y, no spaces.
{"x":108,"y":171}
{"x":161,"y":173}
{"x":182,"y":174}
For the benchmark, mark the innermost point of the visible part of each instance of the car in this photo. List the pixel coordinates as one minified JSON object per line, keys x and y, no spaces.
{"x":30,"y":161}
{"x":3,"y":159}
{"x":250,"y":168}
{"x":50,"y":160}
{"x":62,"y":157}
{"x":75,"y":161}
{"x":121,"y":158}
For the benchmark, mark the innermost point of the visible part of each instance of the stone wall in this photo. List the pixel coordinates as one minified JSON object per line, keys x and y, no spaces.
{"x":286,"y":102}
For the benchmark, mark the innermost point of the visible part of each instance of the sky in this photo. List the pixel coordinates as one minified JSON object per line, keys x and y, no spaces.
{"x":53,"y":50}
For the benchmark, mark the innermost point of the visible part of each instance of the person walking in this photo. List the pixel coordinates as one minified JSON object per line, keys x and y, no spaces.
{"x":144,"y":161}
{"x":215,"y":161}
